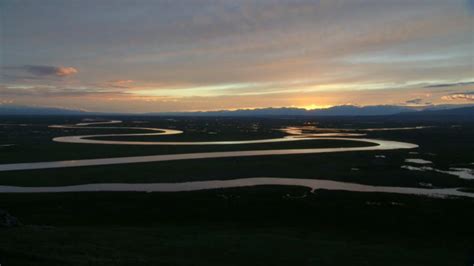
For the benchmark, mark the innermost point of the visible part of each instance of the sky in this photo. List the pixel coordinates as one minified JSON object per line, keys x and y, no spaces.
{"x":190,"y":55}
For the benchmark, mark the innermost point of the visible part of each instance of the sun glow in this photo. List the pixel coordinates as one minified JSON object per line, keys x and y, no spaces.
{"x":315,"y":106}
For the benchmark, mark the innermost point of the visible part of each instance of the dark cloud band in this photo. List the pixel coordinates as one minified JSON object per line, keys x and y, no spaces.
{"x":60,"y":71}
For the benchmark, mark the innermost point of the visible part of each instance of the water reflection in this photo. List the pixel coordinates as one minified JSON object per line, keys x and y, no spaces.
{"x":313,"y":184}
{"x":379,"y":145}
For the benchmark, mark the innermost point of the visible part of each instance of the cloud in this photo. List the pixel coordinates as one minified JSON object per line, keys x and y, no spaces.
{"x":470,"y":5}
{"x":466,"y":96}
{"x":240,"y":49}
{"x":5,"y":101}
{"x":36,"y":74}
{"x":414,"y":101}
{"x":52,"y":91}
{"x":451,"y":84}
{"x":59,"y":71}
{"x":120,"y":83}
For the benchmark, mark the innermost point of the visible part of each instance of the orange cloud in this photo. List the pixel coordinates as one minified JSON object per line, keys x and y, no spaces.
{"x":459,"y":96}
{"x":120,"y":83}
{"x":65,"y":71}
{"x":39,"y":70}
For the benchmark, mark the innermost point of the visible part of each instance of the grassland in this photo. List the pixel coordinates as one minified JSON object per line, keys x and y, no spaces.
{"x":265,"y":225}
{"x":256,"y":226}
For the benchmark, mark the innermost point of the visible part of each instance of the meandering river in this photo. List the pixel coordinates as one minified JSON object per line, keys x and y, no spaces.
{"x":87,"y":139}
{"x":314,"y":184}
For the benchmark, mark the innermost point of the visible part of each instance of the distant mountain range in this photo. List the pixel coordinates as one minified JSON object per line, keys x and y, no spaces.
{"x":342,"y":110}
{"x":461,"y":111}
{"x":9,"y":109}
